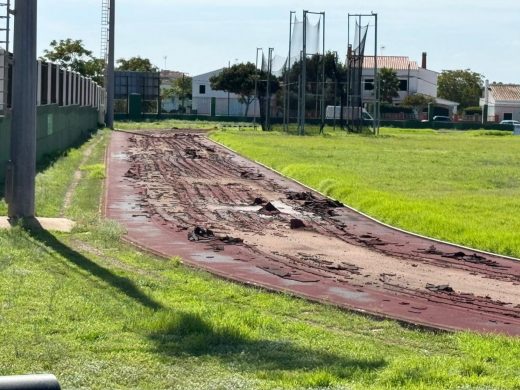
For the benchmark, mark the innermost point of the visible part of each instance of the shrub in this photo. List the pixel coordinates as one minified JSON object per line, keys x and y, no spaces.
{"x":472,"y":110}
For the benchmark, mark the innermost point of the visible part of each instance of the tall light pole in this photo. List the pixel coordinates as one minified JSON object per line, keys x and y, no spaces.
{"x":22,"y":167}
{"x":109,"y":76}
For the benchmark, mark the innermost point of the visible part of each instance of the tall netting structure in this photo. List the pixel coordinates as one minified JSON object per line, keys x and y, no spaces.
{"x":307,"y":38}
{"x":354,"y":114}
{"x":355,"y":56}
{"x":266,"y":103}
{"x":300,"y":96}
{"x":314,"y":85}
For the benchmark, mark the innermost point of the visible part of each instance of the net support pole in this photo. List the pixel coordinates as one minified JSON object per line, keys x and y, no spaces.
{"x":304,"y":75}
{"x":349,"y":73}
{"x":256,"y":88}
{"x":323,"y":79}
{"x":23,"y":117}
{"x":287,"y":100}
{"x":376,"y":81}
{"x":299,"y":105}
{"x":268,"y":90}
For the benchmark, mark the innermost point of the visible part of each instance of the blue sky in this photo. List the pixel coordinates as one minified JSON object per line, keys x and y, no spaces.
{"x":198,"y":36}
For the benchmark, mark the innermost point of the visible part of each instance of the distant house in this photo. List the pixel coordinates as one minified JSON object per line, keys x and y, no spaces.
{"x":503,"y":101}
{"x":412,"y":78}
{"x":223,"y":103}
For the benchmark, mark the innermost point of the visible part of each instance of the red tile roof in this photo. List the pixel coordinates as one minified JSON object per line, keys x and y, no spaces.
{"x":391,"y":62}
{"x":505,"y":91}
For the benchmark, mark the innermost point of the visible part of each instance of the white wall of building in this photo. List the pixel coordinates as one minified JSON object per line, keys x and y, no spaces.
{"x":501,"y":108}
{"x":419,"y":80}
{"x":225,"y":103}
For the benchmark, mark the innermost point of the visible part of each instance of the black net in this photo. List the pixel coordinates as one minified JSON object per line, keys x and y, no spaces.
{"x":353,"y":114}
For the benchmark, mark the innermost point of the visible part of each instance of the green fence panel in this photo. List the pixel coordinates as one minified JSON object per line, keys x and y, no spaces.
{"x":57,"y":128}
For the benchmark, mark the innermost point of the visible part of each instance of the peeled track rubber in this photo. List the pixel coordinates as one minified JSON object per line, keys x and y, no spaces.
{"x":179,"y":194}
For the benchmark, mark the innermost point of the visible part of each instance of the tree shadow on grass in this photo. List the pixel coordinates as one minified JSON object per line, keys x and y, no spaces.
{"x":120,"y":283}
{"x":189,"y":334}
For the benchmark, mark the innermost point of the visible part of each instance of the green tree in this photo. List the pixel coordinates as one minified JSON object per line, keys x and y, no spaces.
{"x":136,"y":64}
{"x":72,"y":55}
{"x":418,"y":102}
{"x":336,"y":77}
{"x":462,"y":86}
{"x":388,"y":85}
{"x":238,"y":79}
{"x":181,"y":88}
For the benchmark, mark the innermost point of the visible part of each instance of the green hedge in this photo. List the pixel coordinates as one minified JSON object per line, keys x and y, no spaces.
{"x":388,"y":108}
{"x":444,"y":125}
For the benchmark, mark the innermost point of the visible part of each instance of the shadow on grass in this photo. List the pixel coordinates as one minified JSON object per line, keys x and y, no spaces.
{"x":123,"y":284}
{"x":189,"y":334}
{"x":48,"y":160}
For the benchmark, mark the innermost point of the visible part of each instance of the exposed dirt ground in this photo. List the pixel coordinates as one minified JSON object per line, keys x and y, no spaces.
{"x":189,"y":184}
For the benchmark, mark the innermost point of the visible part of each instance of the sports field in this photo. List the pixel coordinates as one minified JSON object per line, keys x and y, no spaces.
{"x":463,"y":187}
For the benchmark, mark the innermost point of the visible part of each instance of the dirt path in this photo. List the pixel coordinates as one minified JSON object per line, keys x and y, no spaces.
{"x":76,"y":178}
{"x":231,"y":212}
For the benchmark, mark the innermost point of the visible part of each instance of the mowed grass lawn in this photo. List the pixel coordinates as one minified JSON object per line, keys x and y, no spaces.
{"x":462,"y":187}
{"x":100,"y":314}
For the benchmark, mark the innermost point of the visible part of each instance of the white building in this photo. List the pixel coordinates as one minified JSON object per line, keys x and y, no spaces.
{"x":224,"y":103}
{"x":412,"y":78}
{"x":503,"y":102}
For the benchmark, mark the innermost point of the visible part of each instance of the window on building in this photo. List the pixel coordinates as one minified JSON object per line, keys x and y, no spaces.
{"x":368,"y":85}
{"x":403,"y":85}
{"x":202,"y":89}
{"x":508,"y":116}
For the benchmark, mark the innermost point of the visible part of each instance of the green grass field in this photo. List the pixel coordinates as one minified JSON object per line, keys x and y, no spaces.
{"x":462,"y":187}
{"x":100,"y":314}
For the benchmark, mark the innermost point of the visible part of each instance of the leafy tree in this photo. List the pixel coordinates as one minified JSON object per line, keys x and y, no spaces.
{"x":418,"y":102}
{"x":462,"y":86}
{"x":72,"y":55}
{"x":238,"y":79}
{"x":181,"y":88}
{"x":335,"y":76}
{"x":388,"y":85}
{"x":136,"y":64}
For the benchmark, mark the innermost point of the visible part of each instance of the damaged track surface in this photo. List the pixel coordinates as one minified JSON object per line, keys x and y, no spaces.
{"x":181,"y":194}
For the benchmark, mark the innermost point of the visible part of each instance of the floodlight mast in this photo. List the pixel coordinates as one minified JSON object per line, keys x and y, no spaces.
{"x":22,"y":165}
{"x":109,"y":71}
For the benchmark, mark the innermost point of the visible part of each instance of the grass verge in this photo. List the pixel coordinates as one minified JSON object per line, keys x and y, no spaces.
{"x":99,"y":314}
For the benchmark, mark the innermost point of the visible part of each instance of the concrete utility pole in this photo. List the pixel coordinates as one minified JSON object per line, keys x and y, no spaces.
{"x":109,"y":78}
{"x":21,"y":186}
